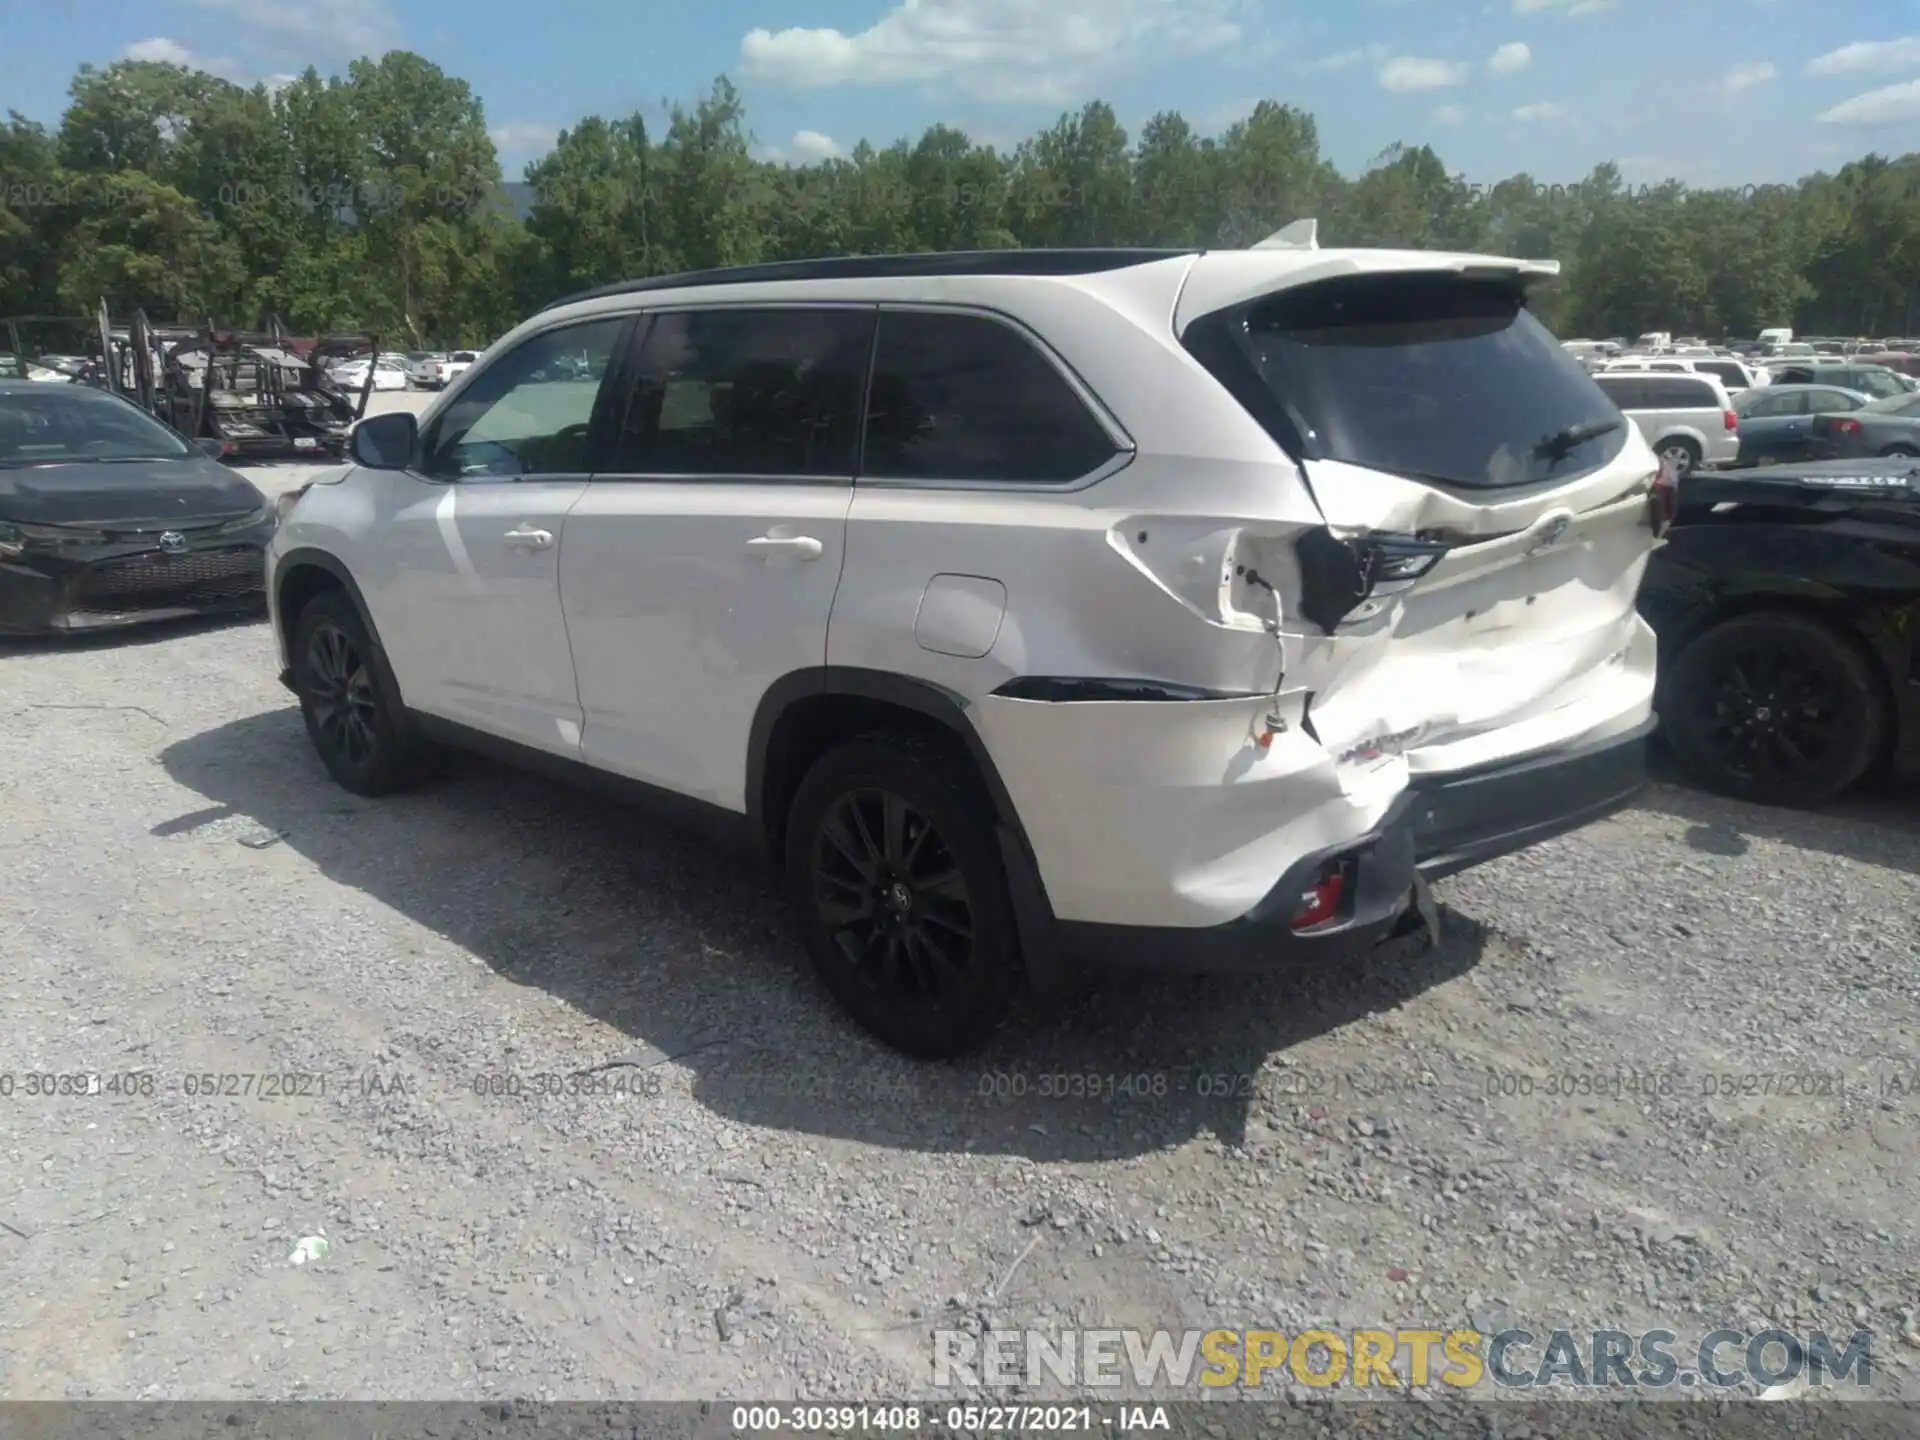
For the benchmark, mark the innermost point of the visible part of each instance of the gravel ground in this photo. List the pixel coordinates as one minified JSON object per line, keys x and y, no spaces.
{"x":757,"y":1201}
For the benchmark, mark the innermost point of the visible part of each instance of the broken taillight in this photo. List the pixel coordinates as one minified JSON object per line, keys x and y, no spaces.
{"x":1320,"y":901}
{"x":1663,"y":500}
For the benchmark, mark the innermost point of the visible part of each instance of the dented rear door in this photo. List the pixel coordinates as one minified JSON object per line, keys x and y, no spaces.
{"x":1486,"y":507}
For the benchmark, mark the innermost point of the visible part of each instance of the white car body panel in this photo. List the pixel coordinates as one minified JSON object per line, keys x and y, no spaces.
{"x":678,"y":627}
{"x":470,"y":620}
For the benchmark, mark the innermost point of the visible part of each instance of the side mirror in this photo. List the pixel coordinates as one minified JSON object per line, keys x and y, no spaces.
{"x":211,"y":448}
{"x":385,"y":442}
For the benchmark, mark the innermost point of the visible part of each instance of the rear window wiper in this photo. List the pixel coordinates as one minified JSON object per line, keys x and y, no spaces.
{"x":1561,"y":443}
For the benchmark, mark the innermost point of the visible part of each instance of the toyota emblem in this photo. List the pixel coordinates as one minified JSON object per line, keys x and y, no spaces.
{"x":1552,"y":532}
{"x":172,"y":542}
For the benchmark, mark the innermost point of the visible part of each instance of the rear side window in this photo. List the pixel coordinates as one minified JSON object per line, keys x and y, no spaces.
{"x":1433,"y":377}
{"x":965,"y":397}
{"x":1626,"y":391}
{"x":1675,"y":392}
{"x":741,"y":391}
{"x":1729,"y":373}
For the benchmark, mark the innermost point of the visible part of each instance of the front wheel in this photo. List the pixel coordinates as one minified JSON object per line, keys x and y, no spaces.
{"x":1776,"y":707}
{"x":896,"y":882}
{"x":354,"y":723}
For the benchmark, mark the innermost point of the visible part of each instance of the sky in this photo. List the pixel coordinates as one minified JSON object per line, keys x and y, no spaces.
{"x":1712,"y":92}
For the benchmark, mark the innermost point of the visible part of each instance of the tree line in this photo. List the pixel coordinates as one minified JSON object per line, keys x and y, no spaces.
{"x":374,"y":200}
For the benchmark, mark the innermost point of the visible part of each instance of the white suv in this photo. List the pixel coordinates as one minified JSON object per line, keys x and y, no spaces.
{"x":1177,"y":607}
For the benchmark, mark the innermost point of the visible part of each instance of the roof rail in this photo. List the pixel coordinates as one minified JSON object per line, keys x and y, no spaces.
{"x":893,"y":267}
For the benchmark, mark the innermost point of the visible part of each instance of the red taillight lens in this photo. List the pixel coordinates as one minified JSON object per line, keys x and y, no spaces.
{"x":1733,"y":420}
{"x":1847,"y":427}
{"x":1320,"y":901}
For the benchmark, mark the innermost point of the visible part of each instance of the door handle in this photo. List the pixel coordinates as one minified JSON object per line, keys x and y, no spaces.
{"x":800,"y":547}
{"x":525,"y":538}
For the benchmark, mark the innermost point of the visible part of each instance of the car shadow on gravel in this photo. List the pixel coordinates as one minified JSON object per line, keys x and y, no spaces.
{"x":1877,"y":825}
{"x":684,"y":948}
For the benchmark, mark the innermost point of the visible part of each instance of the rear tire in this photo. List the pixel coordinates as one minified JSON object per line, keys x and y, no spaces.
{"x":896,"y":884}
{"x":1775,"y":707}
{"x":353,"y":719}
{"x":1899,"y":452}
{"x":1681,"y":453}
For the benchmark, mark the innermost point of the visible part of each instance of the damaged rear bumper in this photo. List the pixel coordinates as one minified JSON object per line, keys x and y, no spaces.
{"x":1441,"y":825}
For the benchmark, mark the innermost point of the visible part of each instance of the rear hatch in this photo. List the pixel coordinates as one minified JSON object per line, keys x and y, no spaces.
{"x":1487,"y":511}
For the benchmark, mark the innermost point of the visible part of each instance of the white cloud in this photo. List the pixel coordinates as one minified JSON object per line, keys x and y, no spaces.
{"x":1889,"y":105}
{"x":304,"y":32}
{"x":161,"y":51}
{"x":998,"y":50}
{"x":1344,"y":60}
{"x":1405,"y":74}
{"x":1573,"y":8}
{"x":1450,"y":115}
{"x":1742,"y":78}
{"x":809,"y":146}
{"x":1510,"y":59}
{"x":1540,"y":112}
{"x":1869,"y":57}
{"x":524,"y":139}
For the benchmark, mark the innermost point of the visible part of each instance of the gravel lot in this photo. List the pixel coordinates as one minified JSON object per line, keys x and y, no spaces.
{"x":770,"y":1206}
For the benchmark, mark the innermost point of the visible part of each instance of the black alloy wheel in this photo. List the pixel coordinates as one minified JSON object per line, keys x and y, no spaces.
{"x":355,"y":725}
{"x":340,"y":690}
{"x":890,"y":893}
{"x":894,"y":875}
{"x":1775,"y":707}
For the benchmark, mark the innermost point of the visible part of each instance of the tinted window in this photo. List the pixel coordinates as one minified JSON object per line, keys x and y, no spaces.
{"x":747,"y":392}
{"x":1796,"y":402}
{"x":1676,"y":392}
{"x":1877,"y":383}
{"x":963,"y":397}
{"x":57,"y":424}
{"x":1626,"y":391}
{"x":517,"y":418}
{"x":1822,"y":402}
{"x":1430,"y":376}
{"x":1728,"y":372}
{"x":1890,"y":405}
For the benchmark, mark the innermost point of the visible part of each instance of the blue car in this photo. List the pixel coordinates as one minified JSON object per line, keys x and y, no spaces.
{"x":1776,"y":421}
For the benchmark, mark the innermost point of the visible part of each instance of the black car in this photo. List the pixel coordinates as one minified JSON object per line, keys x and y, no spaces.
{"x":1784,"y":600}
{"x":107,"y":517}
{"x":1887,"y":427}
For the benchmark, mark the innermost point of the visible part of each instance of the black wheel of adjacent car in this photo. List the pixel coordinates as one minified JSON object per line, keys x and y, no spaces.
{"x":1905,"y":452}
{"x":352,"y":721}
{"x":1681,"y":454}
{"x":895,"y":878}
{"x":1776,"y":707}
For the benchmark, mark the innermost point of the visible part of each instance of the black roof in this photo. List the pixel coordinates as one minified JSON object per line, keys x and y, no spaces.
{"x":893,"y":267}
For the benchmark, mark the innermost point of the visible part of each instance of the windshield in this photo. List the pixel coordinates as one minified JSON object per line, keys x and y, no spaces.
{"x":1430,"y":376}
{"x":1904,"y":404}
{"x":56,"y":426}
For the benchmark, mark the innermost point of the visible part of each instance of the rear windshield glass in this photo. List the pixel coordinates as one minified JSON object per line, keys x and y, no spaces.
{"x":1432,"y":377}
